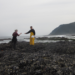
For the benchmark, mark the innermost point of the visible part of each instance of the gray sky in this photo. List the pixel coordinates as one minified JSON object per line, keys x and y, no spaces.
{"x":43,"y":15}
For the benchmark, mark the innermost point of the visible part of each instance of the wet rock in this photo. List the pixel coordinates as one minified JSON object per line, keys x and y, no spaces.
{"x":40,"y":59}
{"x":38,"y":72}
{"x":21,"y":65}
{"x":1,"y":54}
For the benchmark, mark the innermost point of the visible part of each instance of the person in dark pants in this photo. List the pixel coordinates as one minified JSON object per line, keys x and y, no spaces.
{"x":14,"y":39}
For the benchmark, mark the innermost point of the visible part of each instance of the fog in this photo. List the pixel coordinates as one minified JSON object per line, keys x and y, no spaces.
{"x":43,"y":15}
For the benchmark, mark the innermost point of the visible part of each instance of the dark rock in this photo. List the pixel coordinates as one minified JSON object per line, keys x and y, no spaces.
{"x":38,"y":72}
{"x":40,"y":59}
{"x":1,"y":54}
{"x":21,"y":65}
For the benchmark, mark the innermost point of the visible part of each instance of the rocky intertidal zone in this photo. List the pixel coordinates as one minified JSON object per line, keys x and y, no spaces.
{"x":41,"y":59}
{"x":55,"y":38}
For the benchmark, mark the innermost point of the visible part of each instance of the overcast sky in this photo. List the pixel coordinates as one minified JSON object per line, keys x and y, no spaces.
{"x":43,"y":15}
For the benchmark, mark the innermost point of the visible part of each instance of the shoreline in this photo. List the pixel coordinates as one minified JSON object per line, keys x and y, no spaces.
{"x":5,"y":39}
{"x":40,"y":39}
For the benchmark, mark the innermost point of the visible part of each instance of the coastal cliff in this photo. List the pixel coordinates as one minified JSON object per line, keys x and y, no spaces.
{"x":64,"y":29}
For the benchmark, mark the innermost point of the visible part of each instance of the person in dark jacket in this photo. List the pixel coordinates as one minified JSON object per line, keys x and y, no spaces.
{"x":14,"y":39}
{"x":32,"y":35}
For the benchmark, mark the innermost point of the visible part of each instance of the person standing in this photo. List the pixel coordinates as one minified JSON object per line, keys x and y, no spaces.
{"x":32,"y":35}
{"x":14,"y":39}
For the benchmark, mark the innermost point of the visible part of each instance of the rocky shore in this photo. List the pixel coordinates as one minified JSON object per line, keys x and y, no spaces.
{"x":54,"y":38}
{"x":5,"y":39}
{"x":41,"y":59}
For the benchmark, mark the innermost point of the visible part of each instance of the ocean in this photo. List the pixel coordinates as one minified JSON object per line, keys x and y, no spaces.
{"x":6,"y":39}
